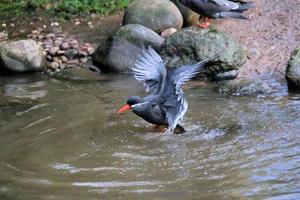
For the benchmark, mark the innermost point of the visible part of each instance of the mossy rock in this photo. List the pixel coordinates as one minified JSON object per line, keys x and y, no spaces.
{"x":192,"y":45}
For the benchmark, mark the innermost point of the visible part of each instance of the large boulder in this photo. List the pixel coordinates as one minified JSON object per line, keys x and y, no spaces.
{"x":21,"y":56}
{"x":189,"y":17}
{"x":293,"y":71}
{"x":158,"y":15}
{"x":192,"y":45}
{"x":120,"y":52}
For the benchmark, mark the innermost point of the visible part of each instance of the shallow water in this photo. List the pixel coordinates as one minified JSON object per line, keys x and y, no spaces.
{"x":63,"y":140}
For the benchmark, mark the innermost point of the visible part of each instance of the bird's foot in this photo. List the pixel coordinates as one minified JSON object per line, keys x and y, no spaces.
{"x":203,"y":25}
{"x":160,"y":128}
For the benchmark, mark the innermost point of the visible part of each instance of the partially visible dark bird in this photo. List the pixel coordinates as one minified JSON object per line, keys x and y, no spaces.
{"x":218,"y":9}
{"x":166,"y":105}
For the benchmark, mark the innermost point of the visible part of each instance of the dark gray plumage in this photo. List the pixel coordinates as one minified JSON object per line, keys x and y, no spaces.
{"x":219,"y":8}
{"x":166,"y":105}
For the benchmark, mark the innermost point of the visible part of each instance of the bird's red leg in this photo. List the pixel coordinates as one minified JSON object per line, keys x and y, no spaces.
{"x":204,"y":24}
{"x":160,"y":128}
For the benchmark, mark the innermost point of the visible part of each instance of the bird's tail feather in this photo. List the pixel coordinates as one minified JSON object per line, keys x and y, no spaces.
{"x":235,"y":15}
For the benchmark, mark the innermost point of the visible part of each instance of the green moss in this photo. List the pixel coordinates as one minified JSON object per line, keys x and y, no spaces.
{"x":63,"y":7}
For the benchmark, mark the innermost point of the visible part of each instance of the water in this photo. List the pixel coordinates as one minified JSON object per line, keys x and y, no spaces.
{"x":64,"y":140}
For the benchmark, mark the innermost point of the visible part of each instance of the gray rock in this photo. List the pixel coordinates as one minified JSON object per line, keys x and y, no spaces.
{"x":22,"y":56}
{"x":158,"y":15}
{"x":120,"y":52}
{"x":192,"y":45}
{"x":189,"y":17}
{"x":252,"y":86}
{"x":293,"y":71}
{"x":71,"y":54}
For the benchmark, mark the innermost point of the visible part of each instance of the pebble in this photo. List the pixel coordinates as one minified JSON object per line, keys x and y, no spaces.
{"x":71,"y":53}
{"x":65,"y":46}
{"x":61,"y":50}
{"x":50,"y":36}
{"x":64,"y":59}
{"x":50,"y":58}
{"x":168,"y":32}
{"x":72,"y":62}
{"x":82,"y":54}
{"x":54,"y":65}
{"x":53,"y":50}
{"x":84,"y":59}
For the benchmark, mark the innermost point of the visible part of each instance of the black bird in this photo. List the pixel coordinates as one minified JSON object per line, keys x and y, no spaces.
{"x":166,"y":105}
{"x":218,"y":8}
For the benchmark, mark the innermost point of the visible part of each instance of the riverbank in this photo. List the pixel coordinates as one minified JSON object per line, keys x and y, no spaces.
{"x":269,"y":37}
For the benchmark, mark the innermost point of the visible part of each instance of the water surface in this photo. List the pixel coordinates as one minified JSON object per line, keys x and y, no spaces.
{"x":63,"y":140}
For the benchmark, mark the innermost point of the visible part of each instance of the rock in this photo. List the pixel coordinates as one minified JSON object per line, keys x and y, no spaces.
{"x":189,"y":17}
{"x":82,"y":53}
{"x":49,"y":58}
{"x":60,"y":52}
{"x":22,"y":56}
{"x":90,"y":50}
{"x":64,"y":59}
{"x":168,"y":32}
{"x":293,"y":71}
{"x":119,"y":53}
{"x":65,"y":46}
{"x":53,"y":50}
{"x":72,"y":62}
{"x":53,"y":65}
{"x":252,"y":86}
{"x":78,"y":74}
{"x":71,"y":54}
{"x":3,"y":36}
{"x":157,"y":15}
{"x":58,"y":42}
{"x":192,"y":45}
{"x":50,"y":36}
{"x":84,"y":59}
{"x":226,"y":76}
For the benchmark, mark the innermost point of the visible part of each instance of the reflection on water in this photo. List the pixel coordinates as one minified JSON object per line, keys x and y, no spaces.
{"x":63,"y":140}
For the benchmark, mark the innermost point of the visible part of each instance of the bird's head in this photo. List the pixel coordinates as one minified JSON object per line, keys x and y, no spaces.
{"x":131,"y":102}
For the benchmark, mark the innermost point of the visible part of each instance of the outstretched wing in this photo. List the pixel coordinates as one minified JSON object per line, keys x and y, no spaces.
{"x":226,"y":5}
{"x":176,"y":106}
{"x":151,"y":70}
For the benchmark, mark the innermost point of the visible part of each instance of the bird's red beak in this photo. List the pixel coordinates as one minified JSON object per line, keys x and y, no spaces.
{"x":124,"y":109}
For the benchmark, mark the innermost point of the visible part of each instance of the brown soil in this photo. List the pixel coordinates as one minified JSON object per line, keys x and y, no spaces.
{"x":270,"y":35}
